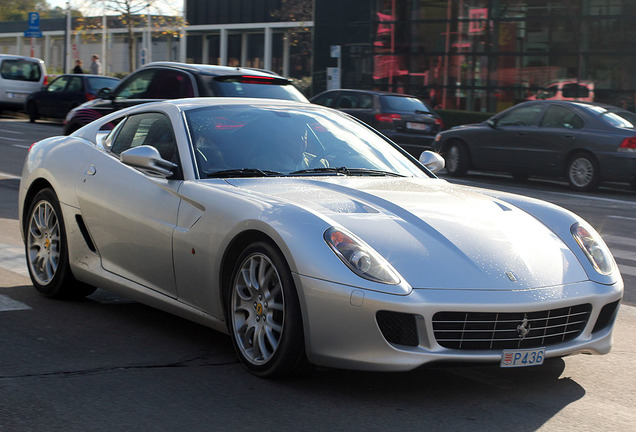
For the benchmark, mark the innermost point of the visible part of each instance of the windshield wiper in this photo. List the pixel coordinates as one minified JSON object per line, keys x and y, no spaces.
{"x":322,"y":170}
{"x":243,"y":172}
{"x":345,"y":171}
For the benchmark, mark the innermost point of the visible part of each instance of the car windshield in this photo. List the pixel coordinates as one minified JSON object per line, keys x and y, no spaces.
{"x":614,"y":116}
{"x":258,"y":141}
{"x":253,"y":87}
{"x":405,"y":104}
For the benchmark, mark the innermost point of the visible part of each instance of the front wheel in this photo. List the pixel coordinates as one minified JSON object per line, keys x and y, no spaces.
{"x":264,"y":314}
{"x":583,"y":172}
{"x":47,"y":250}
{"x":456,"y":159}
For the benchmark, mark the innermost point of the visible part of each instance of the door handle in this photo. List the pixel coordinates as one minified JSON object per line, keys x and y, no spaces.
{"x":91,"y":170}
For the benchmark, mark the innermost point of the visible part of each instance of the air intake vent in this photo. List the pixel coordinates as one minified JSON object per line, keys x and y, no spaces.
{"x":398,"y":328}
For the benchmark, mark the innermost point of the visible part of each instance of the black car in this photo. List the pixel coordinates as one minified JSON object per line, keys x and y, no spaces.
{"x":405,"y":119}
{"x":584,"y":142}
{"x":170,"y":80}
{"x":65,"y":93}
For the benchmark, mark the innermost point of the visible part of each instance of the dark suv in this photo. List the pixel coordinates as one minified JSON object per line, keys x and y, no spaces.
{"x":404,"y":119}
{"x":169,"y":80}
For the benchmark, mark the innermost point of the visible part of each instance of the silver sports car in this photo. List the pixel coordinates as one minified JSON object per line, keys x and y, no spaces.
{"x":311,"y":240}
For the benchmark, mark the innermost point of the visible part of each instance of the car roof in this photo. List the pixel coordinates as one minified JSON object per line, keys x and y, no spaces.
{"x":571,"y":102}
{"x":212,"y":69}
{"x":372,"y":92}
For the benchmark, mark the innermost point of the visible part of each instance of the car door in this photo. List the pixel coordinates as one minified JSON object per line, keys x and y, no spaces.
{"x":548,"y":146}
{"x":501,"y":146}
{"x":47,"y":100}
{"x":131,"y":215}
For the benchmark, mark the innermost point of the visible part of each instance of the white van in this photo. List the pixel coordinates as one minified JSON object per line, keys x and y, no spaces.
{"x":19,"y":77}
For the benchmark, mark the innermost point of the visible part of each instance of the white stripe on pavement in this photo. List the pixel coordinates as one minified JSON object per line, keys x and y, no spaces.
{"x":8,"y":304}
{"x":12,"y":258}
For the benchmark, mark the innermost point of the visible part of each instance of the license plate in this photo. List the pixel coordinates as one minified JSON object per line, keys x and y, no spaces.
{"x":522,"y":358}
{"x":417,"y":126}
{"x":16,"y":95}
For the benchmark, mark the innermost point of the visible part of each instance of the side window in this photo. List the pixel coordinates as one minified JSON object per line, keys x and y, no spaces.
{"x":561,"y":117}
{"x":136,"y":86}
{"x":327,"y":99}
{"x":75,"y":85}
{"x":20,"y":70}
{"x":347,"y":100}
{"x":575,"y":90}
{"x":152,"y":129}
{"x":57,"y":85}
{"x":170,"y":84}
{"x":522,"y":116}
{"x":551,"y":91}
{"x":365,"y":101}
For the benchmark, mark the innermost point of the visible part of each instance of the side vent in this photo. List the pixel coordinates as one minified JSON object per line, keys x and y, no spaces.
{"x":84,"y":231}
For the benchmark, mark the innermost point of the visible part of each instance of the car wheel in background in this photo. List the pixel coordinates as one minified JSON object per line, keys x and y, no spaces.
{"x":456,"y":157}
{"x":264,"y":314}
{"x":583,"y":172}
{"x":32,"y":112}
{"x":47,"y":250}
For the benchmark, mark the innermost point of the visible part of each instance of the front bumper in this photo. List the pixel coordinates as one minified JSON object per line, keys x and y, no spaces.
{"x":342,"y":330}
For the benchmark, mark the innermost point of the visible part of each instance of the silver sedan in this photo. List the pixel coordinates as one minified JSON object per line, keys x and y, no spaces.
{"x":311,"y":240}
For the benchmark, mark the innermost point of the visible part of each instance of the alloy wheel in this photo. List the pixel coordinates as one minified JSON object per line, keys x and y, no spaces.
{"x":258,"y":309}
{"x":43,"y":242}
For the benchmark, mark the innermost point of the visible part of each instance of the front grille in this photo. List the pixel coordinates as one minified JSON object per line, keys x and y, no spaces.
{"x":488,"y":331}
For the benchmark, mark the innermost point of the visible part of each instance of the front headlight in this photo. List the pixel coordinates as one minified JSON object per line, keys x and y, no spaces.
{"x":360,"y":257}
{"x":594,"y":248}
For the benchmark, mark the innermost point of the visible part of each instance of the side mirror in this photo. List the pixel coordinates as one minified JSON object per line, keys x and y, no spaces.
{"x":492,"y":123}
{"x":105,"y":93}
{"x":433,"y":161}
{"x":147,"y":159}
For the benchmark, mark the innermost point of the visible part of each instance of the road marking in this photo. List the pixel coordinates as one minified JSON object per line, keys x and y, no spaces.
{"x":9,"y":176}
{"x":10,"y":131}
{"x":12,"y":258}
{"x":621,"y":253}
{"x":8,"y":304}
{"x":627,"y":270}
{"x":20,"y":146}
{"x":12,"y":139}
{"x":623,"y":241}
{"x":622,"y":217}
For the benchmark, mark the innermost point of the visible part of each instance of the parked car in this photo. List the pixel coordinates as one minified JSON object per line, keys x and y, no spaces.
{"x":310,"y":238}
{"x":405,"y":119}
{"x":65,"y":93}
{"x":567,"y":89}
{"x":19,"y":77}
{"x":170,"y":80}
{"x":585,"y":143}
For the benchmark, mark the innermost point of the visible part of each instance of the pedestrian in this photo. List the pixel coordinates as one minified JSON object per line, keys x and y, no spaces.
{"x":78,"y":67}
{"x":96,"y":65}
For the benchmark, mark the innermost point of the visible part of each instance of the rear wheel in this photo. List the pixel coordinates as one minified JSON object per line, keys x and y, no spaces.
{"x":32,"y":111}
{"x":47,"y":250}
{"x":583,"y":172}
{"x":264,"y":314}
{"x":456,"y":157}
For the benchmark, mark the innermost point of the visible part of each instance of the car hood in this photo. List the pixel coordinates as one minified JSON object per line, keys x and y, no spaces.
{"x":435,"y":234}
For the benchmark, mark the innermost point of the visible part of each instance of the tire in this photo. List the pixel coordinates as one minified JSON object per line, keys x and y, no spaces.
{"x":32,"y":112}
{"x":456,"y":156}
{"x":583,"y":172}
{"x":47,"y":250}
{"x":264,"y":315}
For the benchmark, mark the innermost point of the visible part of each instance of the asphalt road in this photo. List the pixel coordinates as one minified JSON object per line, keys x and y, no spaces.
{"x":108,"y":364}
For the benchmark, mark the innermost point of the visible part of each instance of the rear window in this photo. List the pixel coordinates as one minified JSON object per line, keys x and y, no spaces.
{"x":254,"y":87}
{"x":404,"y":104}
{"x":21,"y":70}
{"x":96,"y":84}
{"x":614,"y":116}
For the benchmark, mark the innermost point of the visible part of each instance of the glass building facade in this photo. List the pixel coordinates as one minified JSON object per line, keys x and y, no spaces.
{"x":481,"y":55}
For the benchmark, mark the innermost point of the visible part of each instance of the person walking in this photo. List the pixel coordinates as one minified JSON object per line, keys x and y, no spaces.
{"x":96,"y":65}
{"x":78,"y":67}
